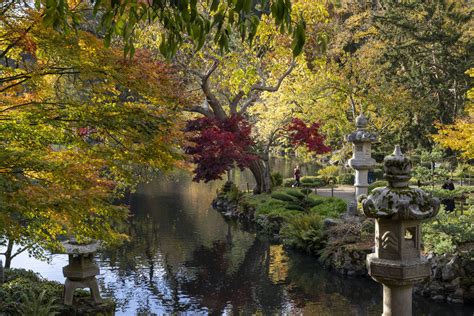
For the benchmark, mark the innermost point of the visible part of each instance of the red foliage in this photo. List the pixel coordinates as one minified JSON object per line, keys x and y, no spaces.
{"x":301,"y":134}
{"x":219,"y":145}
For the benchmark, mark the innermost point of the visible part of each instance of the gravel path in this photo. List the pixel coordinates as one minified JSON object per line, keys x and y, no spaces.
{"x":345,"y":192}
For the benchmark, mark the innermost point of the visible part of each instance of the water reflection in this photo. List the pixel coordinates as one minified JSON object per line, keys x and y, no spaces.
{"x":183,"y":257}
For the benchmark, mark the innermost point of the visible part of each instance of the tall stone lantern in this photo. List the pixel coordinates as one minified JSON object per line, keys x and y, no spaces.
{"x":361,"y":160}
{"x":398,"y":211}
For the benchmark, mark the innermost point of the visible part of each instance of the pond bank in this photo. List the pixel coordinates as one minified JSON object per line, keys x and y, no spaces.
{"x":183,"y":257}
{"x":340,"y":240}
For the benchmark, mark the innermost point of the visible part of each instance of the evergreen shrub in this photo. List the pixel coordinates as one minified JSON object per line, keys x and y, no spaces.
{"x":277,"y":179}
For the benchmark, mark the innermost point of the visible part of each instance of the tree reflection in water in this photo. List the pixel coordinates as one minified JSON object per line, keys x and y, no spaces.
{"x":182,"y":256}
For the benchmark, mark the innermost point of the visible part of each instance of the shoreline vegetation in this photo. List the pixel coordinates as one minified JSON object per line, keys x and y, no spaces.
{"x":24,"y":292}
{"x":341,"y":239}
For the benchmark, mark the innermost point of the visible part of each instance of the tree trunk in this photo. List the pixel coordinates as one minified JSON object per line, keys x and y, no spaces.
{"x":261,"y":173}
{"x":8,"y":254}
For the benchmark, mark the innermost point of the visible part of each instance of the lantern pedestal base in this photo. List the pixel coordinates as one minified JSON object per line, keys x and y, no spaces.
{"x":90,"y":283}
{"x":397,"y":278}
{"x":397,"y":300}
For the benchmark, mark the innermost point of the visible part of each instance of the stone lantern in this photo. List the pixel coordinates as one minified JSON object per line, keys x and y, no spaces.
{"x":81,"y":270}
{"x":398,"y":210}
{"x":361,"y":160}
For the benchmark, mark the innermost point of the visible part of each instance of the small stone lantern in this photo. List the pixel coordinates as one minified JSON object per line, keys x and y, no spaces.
{"x":361,"y":160}
{"x":398,"y":210}
{"x":81,"y":270}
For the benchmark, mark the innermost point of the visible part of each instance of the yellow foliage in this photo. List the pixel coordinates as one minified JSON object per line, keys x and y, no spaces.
{"x":458,"y":136}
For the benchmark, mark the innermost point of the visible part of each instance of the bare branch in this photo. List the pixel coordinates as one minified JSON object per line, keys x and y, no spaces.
{"x":275,"y":88}
{"x":19,"y":251}
{"x":14,"y":43}
{"x":26,"y":104}
{"x":13,"y":85}
{"x":235,"y":101}
{"x":211,"y":98}
{"x":212,"y":68}
{"x":201,"y":110}
{"x":248,"y":102}
{"x":257,"y":89}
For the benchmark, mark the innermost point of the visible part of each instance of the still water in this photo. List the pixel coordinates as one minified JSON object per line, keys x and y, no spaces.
{"x":184,"y":258}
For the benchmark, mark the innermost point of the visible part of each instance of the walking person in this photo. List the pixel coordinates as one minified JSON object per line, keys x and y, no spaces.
{"x":297,"y":176}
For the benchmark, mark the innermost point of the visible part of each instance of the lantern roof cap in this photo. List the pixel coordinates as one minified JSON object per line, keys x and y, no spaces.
{"x":361,"y":121}
{"x":73,"y":247}
{"x":398,"y":201}
{"x":397,"y":168}
{"x":361,"y":135}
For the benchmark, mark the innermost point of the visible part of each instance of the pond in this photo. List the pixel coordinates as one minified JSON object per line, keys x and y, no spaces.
{"x":183,"y":257}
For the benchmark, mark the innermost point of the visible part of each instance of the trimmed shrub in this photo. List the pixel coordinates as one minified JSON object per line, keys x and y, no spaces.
{"x":295,"y":207}
{"x":296,"y":193}
{"x":446,"y":194}
{"x":288,"y":182}
{"x":311,"y":181}
{"x":283,"y":197}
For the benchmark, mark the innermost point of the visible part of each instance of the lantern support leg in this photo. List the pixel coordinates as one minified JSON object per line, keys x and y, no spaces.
{"x":70,"y":286}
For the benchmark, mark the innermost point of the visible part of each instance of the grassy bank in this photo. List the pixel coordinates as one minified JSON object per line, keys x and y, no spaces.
{"x":291,"y":215}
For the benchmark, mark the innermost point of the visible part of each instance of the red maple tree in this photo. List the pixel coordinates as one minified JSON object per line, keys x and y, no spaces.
{"x":301,"y":134}
{"x":219,"y":145}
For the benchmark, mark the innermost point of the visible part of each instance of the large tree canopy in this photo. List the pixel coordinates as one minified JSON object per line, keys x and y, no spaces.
{"x":77,"y":123}
{"x":181,"y":21}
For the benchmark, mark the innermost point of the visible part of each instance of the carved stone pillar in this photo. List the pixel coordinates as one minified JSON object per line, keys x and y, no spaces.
{"x":398,"y":210}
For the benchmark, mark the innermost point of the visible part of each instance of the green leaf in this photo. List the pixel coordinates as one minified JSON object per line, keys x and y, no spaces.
{"x":298,"y":38}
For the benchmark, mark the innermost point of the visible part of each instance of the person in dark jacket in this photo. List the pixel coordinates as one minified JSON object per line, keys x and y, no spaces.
{"x":448,"y":203}
{"x":297,"y":176}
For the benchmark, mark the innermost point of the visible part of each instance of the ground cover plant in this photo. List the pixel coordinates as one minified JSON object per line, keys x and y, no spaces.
{"x":24,"y":292}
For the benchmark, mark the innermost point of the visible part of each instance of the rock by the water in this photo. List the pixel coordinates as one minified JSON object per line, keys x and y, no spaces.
{"x":450,"y":270}
{"x":439,"y":298}
{"x":329,"y":222}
